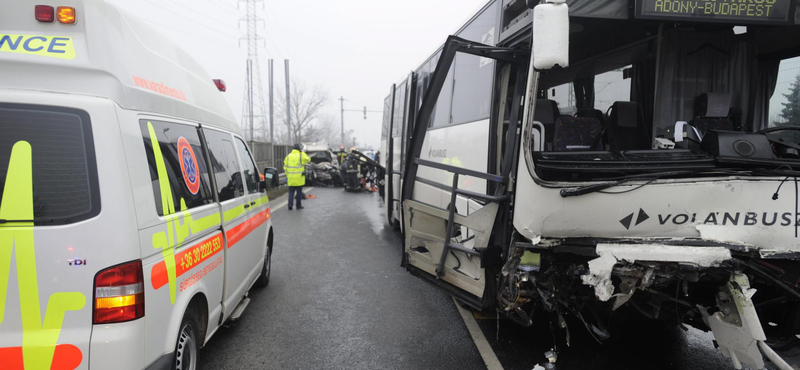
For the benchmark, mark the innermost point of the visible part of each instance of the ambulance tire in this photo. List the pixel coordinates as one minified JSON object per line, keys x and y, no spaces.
{"x":187,"y":347}
{"x":266,"y":270}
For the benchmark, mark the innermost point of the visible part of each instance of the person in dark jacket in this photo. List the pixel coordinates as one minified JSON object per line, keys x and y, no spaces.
{"x":351,"y":172}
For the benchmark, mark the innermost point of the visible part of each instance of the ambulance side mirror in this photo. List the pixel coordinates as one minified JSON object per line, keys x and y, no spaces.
{"x":271,"y":178}
{"x":550,"y":34}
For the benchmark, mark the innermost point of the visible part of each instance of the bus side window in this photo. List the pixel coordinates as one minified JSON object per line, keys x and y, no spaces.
{"x":472,"y":94}
{"x":473,"y":75}
{"x":399,"y":110}
{"x":387,"y":118}
{"x":227,"y":172}
{"x":611,"y":87}
{"x":185,"y":165}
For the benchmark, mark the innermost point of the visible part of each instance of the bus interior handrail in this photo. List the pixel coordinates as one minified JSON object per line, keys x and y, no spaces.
{"x":460,"y":171}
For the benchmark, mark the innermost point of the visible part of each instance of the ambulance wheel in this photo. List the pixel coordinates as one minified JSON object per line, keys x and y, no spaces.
{"x":188,"y":345}
{"x":263,"y":277}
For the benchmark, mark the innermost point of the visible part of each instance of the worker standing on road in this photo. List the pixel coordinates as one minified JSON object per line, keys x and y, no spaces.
{"x":295,"y":166}
{"x":351,"y":169}
{"x":341,"y":155}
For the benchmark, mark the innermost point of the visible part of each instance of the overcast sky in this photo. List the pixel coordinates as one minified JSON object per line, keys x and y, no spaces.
{"x":353,"y":48}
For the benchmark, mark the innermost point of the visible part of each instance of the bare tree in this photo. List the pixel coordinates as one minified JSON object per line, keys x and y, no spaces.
{"x":305,"y":110}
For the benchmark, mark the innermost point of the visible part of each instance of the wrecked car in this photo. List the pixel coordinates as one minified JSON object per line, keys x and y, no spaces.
{"x":323,"y":170}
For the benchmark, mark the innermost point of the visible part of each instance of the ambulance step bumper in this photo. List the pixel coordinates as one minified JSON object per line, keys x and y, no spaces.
{"x":239,"y":310}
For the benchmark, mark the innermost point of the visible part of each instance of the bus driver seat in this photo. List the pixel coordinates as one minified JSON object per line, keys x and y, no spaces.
{"x":626,"y":127}
{"x":547,"y":113}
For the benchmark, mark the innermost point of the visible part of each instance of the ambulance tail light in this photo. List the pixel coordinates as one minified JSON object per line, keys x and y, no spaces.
{"x":66,"y":14}
{"x":45,"y":13}
{"x":221,"y":86}
{"x":119,"y":294}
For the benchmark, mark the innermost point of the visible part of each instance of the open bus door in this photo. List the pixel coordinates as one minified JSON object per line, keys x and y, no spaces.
{"x":432,"y":251}
{"x":389,"y":194}
{"x":402,"y":111}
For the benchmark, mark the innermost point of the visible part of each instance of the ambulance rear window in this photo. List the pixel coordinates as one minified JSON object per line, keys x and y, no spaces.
{"x":61,"y":164}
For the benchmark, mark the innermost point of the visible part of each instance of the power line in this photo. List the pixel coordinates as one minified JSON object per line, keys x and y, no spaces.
{"x":189,"y":33}
{"x":235,"y":14}
{"x":201,"y":14}
{"x":191,"y":20}
{"x":283,"y":47}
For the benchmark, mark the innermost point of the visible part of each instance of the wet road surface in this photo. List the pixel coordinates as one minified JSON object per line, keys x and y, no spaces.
{"x":338,"y":299}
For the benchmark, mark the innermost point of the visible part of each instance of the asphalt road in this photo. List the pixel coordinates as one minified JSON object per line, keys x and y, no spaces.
{"x":339,"y":300}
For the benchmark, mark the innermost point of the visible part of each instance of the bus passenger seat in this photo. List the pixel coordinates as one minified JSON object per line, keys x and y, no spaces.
{"x":577,"y":134}
{"x":626,"y":127}
{"x":711,"y":112}
{"x":547,"y":113}
{"x":592,"y":113}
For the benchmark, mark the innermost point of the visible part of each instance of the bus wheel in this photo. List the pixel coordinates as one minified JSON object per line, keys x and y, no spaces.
{"x":263,"y":277}
{"x":187,"y":346}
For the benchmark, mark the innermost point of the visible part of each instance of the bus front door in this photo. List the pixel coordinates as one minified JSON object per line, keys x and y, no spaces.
{"x":436,"y":248}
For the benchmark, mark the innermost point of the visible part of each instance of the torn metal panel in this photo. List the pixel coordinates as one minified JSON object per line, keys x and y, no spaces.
{"x":600,"y":276}
{"x":737,"y":328}
{"x":425,"y":237}
{"x":700,"y":256}
{"x":600,"y":269}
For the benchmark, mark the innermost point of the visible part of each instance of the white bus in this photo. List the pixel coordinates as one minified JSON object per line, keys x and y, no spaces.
{"x":596,"y":157}
{"x":133,"y":221}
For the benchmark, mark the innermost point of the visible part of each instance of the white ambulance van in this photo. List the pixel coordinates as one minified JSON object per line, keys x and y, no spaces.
{"x":133,"y":220}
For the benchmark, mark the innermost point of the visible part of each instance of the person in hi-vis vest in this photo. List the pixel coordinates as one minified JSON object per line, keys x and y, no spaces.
{"x":341,"y":155}
{"x":295,"y":167}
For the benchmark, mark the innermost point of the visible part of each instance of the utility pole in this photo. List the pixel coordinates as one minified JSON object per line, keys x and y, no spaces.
{"x":271,"y":114}
{"x":288,"y":102}
{"x":253,"y":109}
{"x":250,"y":94}
{"x":342,"y":100}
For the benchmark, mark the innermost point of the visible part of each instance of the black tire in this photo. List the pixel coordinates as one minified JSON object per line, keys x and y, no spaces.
{"x":187,"y":346}
{"x":266,"y":270}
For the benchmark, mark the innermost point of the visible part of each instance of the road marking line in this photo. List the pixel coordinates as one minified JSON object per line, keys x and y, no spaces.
{"x":286,"y":202}
{"x":484,"y":348}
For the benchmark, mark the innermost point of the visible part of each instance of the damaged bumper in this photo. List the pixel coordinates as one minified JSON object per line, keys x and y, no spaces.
{"x":710,"y":287}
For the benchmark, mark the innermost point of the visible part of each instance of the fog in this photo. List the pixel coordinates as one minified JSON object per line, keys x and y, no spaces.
{"x":354,"y":49}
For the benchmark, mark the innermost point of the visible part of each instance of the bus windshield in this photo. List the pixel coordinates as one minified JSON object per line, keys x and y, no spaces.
{"x":648,"y":95}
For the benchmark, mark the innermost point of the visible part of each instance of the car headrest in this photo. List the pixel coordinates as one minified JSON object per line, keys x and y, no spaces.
{"x":627,"y":113}
{"x":546,"y":111}
{"x":712,"y":105}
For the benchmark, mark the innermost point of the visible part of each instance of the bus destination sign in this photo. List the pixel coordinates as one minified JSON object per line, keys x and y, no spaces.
{"x":741,"y":12}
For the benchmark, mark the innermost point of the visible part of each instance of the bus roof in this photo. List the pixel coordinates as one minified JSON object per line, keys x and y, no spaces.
{"x":107,"y":53}
{"x":599,"y":9}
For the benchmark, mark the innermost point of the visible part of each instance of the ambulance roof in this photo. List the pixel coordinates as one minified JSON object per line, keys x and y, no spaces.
{"x":108,"y":53}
